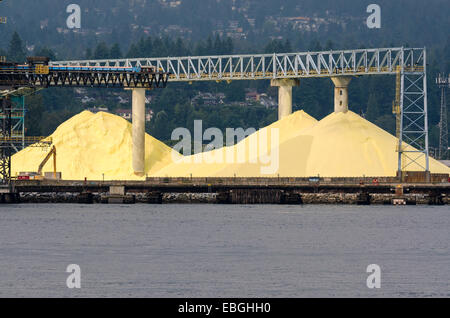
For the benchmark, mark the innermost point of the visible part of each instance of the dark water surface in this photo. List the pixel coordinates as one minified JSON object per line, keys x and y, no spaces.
{"x":223,"y":250}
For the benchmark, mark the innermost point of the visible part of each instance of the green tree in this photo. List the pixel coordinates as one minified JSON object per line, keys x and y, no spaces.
{"x":161,"y":126}
{"x":45,"y":51}
{"x":115,"y":52}
{"x":287,"y":46}
{"x":35,"y":109}
{"x":101,"y":51}
{"x":16,"y":50}
{"x":329,"y":45}
{"x":372,"y":110}
{"x":88,"y":54}
{"x":235,"y":92}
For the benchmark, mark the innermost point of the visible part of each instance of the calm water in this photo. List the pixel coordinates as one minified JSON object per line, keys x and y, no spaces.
{"x":223,"y":251}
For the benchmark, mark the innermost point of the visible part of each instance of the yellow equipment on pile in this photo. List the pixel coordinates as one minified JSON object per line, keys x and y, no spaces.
{"x":41,"y":166}
{"x":396,"y":104}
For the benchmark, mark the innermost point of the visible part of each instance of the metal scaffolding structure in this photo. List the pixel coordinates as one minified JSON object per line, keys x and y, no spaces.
{"x":5,"y":138}
{"x":18,"y":121}
{"x":443,"y":82}
{"x":270,"y":66}
{"x":12,"y":140}
{"x":413,"y":152}
{"x":12,"y":120}
{"x":81,"y":78}
{"x":396,"y":104}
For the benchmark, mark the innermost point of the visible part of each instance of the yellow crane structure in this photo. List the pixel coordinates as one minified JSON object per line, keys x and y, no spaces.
{"x":52,"y":152}
{"x":396,"y":103}
{"x":396,"y":108}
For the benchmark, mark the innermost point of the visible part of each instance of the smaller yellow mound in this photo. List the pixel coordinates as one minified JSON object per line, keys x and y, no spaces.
{"x":92,"y":146}
{"x":347,"y":145}
{"x":340,"y":145}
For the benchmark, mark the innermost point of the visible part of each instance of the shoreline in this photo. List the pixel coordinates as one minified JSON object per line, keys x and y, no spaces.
{"x":231,"y":191}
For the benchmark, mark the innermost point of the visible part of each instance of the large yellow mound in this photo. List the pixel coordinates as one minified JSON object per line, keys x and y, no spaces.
{"x":92,"y":145}
{"x":340,"y":145}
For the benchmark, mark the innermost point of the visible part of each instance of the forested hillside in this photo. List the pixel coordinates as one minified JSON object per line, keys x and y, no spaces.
{"x":251,"y":22}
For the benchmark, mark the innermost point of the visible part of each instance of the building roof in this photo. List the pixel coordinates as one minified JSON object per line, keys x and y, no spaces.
{"x":123,"y":111}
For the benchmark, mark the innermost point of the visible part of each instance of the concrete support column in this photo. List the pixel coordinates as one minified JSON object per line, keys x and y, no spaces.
{"x":341,"y":93}
{"x":284,"y":95}
{"x":138,"y":131}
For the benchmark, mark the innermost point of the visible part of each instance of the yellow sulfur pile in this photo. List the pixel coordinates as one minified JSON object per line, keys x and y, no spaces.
{"x":92,"y":145}
{"x":340,"y":145}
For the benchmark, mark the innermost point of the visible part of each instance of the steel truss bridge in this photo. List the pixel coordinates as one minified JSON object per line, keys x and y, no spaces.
{"x":275,"y":66}
{"x":408,"y":64}
{"x":88,"y":77}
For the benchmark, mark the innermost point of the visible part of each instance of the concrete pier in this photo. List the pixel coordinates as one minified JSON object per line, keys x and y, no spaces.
{"x":341,"y":93}
{"x":237,"y":191}
{"x":138,"y":131}
{"x":284,"y":95}
{"x":8,"y":196}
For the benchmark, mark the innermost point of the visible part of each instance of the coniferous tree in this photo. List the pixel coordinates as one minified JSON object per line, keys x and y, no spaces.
{"x":115,"y":52}
{"x":16,"y":50}
{"x":161,"y":126}
{"x":101,"y":51}
{"x":88,"y":54}
{"x":372,"y":111}
{"x":45,"y":51}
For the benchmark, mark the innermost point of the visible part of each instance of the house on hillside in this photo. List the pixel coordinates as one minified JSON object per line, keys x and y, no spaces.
{"x":96,"y":109}
{"x":128,"y":114}
{"x":124,"y":113}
